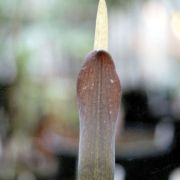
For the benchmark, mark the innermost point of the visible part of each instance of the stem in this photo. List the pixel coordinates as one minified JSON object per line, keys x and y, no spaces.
{"x":98,"y":90}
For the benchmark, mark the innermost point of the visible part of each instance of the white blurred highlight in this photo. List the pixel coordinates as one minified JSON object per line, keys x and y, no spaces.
{"x":175,"y":24}
{"x":175,"y":175}
{"x":153,"y":47}
{"x":164,"y":135}
{"x":119,"y":173}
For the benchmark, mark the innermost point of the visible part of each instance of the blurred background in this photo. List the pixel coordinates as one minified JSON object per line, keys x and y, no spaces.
{"x":42,"y":48}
